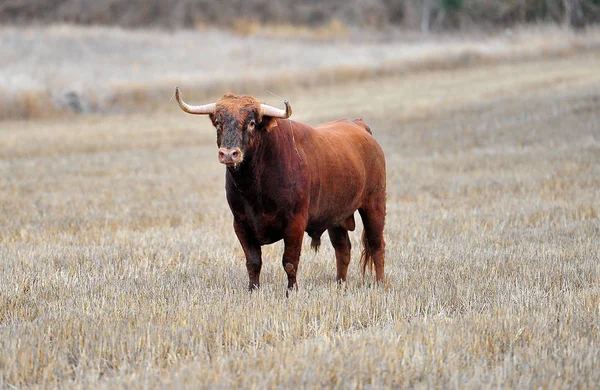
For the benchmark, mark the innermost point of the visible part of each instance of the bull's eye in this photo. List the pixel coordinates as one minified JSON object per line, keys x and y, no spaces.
{"x":251,"y":125}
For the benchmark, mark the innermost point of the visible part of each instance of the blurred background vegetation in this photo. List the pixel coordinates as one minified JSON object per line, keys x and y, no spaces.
{"x":104,"y":56}
{"x":426,"y":15}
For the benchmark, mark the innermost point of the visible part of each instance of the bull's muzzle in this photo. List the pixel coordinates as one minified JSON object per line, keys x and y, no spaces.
{"x":230,"y":156}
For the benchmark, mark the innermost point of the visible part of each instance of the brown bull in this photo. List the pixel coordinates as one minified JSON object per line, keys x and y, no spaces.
{"x":285,"y":178}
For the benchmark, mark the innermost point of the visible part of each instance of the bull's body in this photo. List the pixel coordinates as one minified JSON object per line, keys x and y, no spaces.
{"x":305,"y":179}
{"x":288,"y":178}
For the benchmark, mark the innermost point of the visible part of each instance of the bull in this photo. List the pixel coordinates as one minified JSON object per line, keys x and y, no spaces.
{"x":284,"y":178}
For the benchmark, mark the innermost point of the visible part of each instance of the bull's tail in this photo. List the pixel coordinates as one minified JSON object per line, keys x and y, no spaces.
{"x":315,"y":243}
{"x":363,"y":125}
{"x":366,"y":257}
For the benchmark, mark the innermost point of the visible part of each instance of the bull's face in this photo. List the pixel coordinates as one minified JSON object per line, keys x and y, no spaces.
{"x":237,"y":119}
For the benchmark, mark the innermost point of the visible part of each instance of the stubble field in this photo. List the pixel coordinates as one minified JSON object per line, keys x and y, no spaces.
{"x":120,"y":269}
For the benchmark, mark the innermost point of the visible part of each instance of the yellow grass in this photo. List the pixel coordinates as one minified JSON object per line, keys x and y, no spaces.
{"x":335,"y":29}
{"x":120,"y":269}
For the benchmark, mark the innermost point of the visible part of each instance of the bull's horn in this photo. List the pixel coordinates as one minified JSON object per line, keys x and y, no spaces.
{"x":205,"y":109}
{"x":276,"y":112}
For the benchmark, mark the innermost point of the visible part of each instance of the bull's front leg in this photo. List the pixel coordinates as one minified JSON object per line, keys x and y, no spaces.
{"x":291,"y":253}
{"x":252,"y":252}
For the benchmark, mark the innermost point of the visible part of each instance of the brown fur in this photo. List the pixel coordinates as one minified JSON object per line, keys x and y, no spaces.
{"x":363,"y":124}
{"x":295,"y":178}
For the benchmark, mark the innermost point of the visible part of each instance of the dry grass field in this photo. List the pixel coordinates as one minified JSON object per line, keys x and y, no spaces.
{"x":119,"y":267}
{"x":112,"y":70}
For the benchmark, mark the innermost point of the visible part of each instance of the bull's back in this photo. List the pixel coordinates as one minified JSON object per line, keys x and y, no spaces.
{"x":346,"y":166}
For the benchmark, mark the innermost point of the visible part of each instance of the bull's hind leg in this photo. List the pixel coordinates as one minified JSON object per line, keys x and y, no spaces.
{"x":373,"y":217}
{"x":341,"y":244}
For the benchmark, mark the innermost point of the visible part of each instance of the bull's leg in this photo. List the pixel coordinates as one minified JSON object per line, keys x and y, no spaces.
{"x":291,"y":253}
{"x":291,"y":258}
{"x":253,"y":254}
{"x":341,"y":244}
{"x":373,"y":217}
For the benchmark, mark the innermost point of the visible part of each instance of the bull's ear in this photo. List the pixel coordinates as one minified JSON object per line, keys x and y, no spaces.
{"x":268,"y":123}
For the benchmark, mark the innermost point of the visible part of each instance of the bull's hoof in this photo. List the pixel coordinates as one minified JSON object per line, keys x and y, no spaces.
{"x":291,"y":288}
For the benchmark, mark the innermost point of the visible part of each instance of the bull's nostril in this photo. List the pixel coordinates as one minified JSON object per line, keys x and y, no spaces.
{"x":227,"y":156}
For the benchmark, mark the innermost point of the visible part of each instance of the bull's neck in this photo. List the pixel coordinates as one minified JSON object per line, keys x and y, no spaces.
{"x":244,"y":176}
{"x":269,"y":163}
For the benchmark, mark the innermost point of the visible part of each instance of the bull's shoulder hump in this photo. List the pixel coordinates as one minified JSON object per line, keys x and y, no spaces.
{"x":360,"y":123}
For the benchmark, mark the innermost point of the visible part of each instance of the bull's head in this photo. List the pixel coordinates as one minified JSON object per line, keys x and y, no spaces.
{"x":237,"y":119}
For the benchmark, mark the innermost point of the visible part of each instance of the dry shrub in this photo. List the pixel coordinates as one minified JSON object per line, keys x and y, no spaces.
{"x":27,"y":104}
{"x":244,"y":27}
{"x":333,"y":30}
